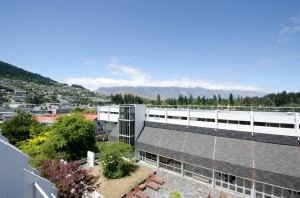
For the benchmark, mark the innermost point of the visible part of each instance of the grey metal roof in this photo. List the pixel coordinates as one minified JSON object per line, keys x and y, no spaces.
{"x":199,"y":145}
{"x":282,"y":159}
{"x":162,"y":138}
{"x":235,"y":151}
{"x":268,"y":157}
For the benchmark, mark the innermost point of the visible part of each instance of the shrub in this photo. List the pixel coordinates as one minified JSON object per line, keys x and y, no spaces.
{"x":175,"y":194}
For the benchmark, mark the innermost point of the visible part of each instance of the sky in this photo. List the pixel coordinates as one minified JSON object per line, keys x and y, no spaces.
{"x":228,"y":45}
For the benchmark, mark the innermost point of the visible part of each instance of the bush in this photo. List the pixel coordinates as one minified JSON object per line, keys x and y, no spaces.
{"x":122,"y":169}
{"x":175,"y":194}
{"x":111,"y":157}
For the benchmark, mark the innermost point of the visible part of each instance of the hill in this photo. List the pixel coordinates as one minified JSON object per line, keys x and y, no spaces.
{"x":174,"y":92}
{"x":13,"y":72}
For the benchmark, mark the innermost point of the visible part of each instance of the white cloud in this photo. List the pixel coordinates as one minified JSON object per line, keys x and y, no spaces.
{"x":269,"y":61}
{"x":295,"y":19}
{"x":284,"y":30}
{"x":95,"y":83}
{"x":294,"y":26}
{"x":296,"y":29}
{"x":123,"y":75}
{"x":285,"y":40}
{"x":90,"y":63}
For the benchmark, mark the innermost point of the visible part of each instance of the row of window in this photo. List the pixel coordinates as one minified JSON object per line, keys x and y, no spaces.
{"x":109,"y":112}
{"x":278,"y":125}
{"x":238,"y":122}
{"x":224,"y":180}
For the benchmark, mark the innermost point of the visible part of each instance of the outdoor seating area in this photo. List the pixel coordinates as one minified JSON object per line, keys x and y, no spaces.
{"x":152,"y":181}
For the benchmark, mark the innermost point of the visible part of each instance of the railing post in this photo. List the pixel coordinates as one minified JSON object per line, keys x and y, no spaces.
{"x":297,"y":123}
{"x":253,"y":190}
{"x":37,"y":186}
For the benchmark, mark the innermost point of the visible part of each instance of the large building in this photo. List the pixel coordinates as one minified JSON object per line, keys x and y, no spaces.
{"x":253,"y":153}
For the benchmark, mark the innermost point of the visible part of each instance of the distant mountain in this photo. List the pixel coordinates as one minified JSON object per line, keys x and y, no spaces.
{"x":171,"y":92}
{"x":13,"y":72}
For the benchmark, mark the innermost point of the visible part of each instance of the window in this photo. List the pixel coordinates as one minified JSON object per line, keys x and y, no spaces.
{"x":272,"y":124}
{"x":233,"y":122}
{"x":156,"y":116}
{"x":205,"y":119}
{"x":210,"y":120}
{"x":127,"y":113}
{"x":222,"y":121}
{"x":289,"y":126}
{"x":244,"y":123}
{"x":259,"y":124}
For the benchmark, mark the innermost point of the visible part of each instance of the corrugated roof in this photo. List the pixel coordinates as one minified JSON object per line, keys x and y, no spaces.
{"x":281,"y":159}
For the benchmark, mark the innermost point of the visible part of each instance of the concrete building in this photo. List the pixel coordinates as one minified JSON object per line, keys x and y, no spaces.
{"x":253,"y":153}
{"x":17,"y":179}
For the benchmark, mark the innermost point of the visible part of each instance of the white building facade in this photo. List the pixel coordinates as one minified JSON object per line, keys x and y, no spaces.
{"x":256,"y":154}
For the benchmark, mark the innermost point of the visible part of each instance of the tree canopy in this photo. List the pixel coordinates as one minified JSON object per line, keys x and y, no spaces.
{"x":72,"y":137}
{"x":34,"y":147}
{"x":19,"y":127}
{"x":70,"y":180}
{"x":111,"y":157}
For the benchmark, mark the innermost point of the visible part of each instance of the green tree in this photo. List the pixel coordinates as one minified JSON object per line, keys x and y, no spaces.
{"x":34,"y":147}
{"x":198,"y":101}
{"x":219,"y":99}
{"x":72,"y":137}
{"x":231,"y":102}
{"x":203,"y":100}
{"x":158,"y":100}
{"x":111,"y":157}
{"x":180,"y":100}
{"x":91,"y":111}
{"x":191,"y":100}
{"x":18,"y":128}
{"x":185,"y":100}
{"x":215,"y":101}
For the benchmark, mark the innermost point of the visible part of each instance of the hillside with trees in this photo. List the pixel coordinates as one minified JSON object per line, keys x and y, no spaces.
{"x":13,"y":72}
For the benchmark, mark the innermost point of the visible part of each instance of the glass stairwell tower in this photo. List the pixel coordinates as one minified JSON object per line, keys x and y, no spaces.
{"x":131,"y":122}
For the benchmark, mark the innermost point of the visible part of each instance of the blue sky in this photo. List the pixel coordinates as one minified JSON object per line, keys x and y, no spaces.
{"x":236,"y":44}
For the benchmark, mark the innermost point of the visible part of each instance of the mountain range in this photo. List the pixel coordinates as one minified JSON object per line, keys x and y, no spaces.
{"x":174,"y":92}
{"x":9,"y":71}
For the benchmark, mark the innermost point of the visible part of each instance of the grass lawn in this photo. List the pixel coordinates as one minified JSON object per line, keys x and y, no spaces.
{"x":115,"y":188}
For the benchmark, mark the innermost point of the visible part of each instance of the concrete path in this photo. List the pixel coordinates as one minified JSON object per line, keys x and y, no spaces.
{"x":189,"y":188}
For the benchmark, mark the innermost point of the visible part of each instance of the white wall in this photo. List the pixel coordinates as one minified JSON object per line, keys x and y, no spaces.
{"x":109,"y":114}
{"x":14,"y":178}
{"x":250,"y":116}
{"x":139,"y":119}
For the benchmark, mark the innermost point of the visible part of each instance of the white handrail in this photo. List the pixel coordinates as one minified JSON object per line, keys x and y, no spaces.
{"x":41,"y":190}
